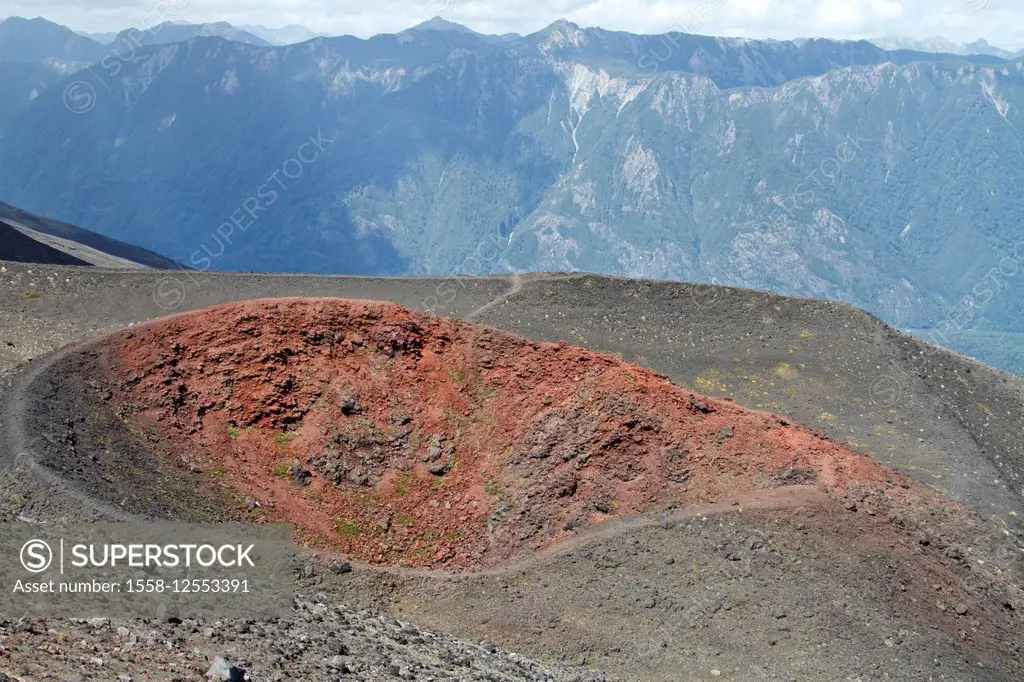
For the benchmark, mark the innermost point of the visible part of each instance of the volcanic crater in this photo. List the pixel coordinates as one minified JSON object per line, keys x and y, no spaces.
{"x":401,"y":438}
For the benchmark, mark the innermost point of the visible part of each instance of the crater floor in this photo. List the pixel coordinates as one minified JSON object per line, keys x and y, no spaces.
{"x":401,"y":438}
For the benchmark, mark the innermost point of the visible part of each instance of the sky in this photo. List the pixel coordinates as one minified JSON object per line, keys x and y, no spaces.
{"x":1001,"y":22}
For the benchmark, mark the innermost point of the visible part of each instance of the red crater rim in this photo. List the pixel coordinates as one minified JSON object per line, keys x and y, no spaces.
{"x":401,"y":438}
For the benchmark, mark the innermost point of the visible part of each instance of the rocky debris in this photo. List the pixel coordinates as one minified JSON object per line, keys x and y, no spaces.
{"x":318,"y":642}
{"x":440,"y":455}
{"x":795,"y":476}
{"x":221,"y":670}
{"x":330,"y":465}
{"x":340,"y":567}
{"x":437,"y":448}
{"x":319,"y":337}
{"x":400,"y":419}
{"x":566,"y":484}
{"x":348,"y":403}
{"x":405,"y":338}
{"x":564,"y":433}
{"x":699,"y":405}
{"x":440,"y":468}
{"x":337,"y":468}
{"x":301,"y":475}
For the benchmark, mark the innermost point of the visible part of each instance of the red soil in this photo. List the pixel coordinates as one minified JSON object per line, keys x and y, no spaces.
{"x":402,"y":438}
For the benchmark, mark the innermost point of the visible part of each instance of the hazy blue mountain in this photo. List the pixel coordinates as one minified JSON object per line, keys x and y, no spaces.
{"x":33,"y":40}
{"x":176,"y":32}
{"x":21,"y":83}
{"x":933,"y":44}
{"x":940,"y":45}
{"x":837,"y":169}
{"x":286,"y":35}
{"x":101,"y":38}
{"x":440,"y":24}
{"x":982,"y":46}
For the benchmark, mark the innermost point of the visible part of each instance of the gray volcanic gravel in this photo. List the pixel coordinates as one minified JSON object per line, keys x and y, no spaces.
{"x":321,"y":642}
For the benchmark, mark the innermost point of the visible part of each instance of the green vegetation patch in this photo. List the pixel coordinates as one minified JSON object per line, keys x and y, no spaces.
{"x":346,"y":527}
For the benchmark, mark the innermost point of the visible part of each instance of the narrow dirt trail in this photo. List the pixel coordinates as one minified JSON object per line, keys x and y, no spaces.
{"x":785,"y":498}
{"x":515,"y":288}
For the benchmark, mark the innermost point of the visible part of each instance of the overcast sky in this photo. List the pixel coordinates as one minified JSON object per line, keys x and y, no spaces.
{"x":999,"y":21}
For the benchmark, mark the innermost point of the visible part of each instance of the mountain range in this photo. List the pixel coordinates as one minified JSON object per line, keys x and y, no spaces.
{"x":286,"y":35}
{"x":938,"y":44}
{"x":885,"y":178}
{"x":176,"y":32}
{"x":33,"y":40}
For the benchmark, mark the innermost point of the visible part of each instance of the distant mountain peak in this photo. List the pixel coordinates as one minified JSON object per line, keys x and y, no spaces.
{"x":561,"y":34}
{"x":286,"y":35}
{"x":981,"y":42}
{"x":33,"y":20}
{"x":441,"y":24}
{"x":938,"y":44}
{"x":562,"y":25}
{"x":33,"y":40}
{"x":177,"y":31}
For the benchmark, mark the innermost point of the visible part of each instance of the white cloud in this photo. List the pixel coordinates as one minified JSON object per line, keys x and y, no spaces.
{"x":838,"y":16}
{"x":999,"y":21}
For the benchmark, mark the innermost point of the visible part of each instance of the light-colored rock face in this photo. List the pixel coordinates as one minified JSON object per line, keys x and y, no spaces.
{"x":563,"y":34}
{"x":148,"y":69}
{"x":801,"y":230}
{"x":988,"y":81}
